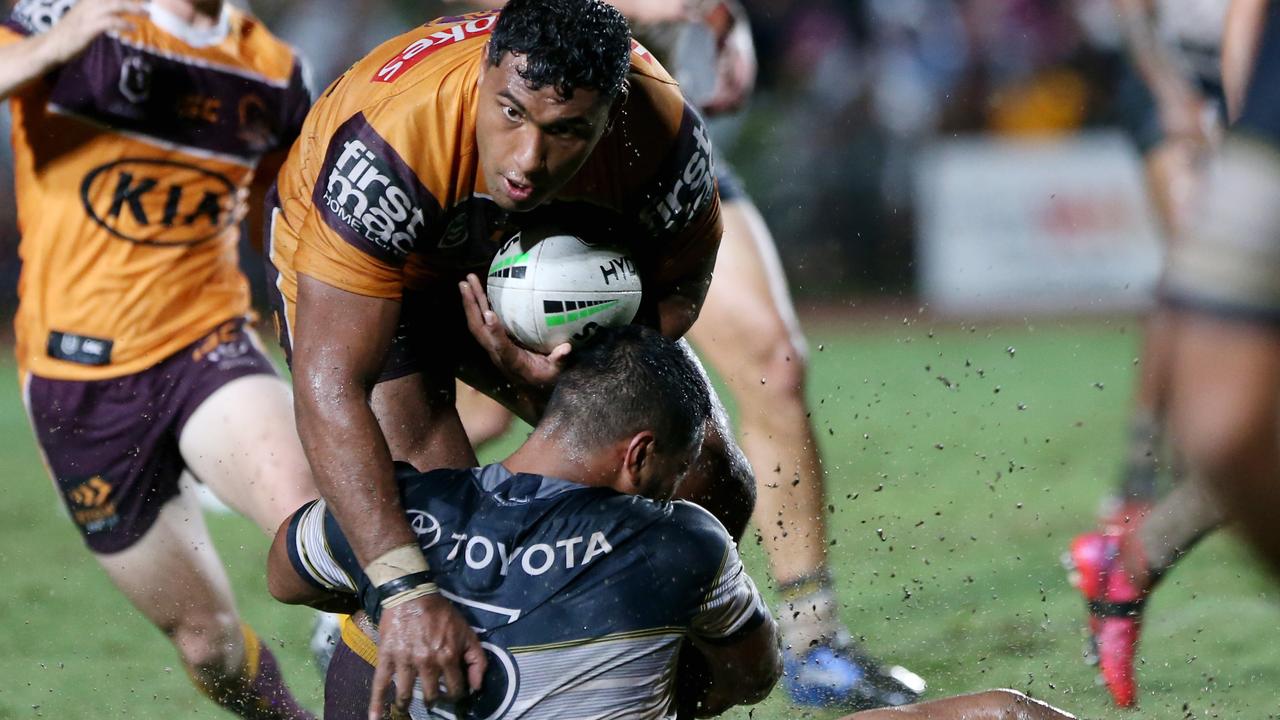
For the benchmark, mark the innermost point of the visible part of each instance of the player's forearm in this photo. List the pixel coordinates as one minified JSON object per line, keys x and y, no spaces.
{"x":1240,"y":36}
{"x":25,"y":61}
{"x":352,"y":465}
{"x":1163,"y":75}
{"x":340,"y":345}
{"x":676,"y":314}
{"x":742,"y":673}
{"x":990,"y":705}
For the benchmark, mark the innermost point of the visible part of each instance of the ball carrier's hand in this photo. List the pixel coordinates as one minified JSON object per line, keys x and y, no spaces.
{"x":421,"y":635}
{"x":524,"y":368}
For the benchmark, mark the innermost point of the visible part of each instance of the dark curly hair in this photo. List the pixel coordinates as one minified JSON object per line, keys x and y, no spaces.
{"x":566,"y":44}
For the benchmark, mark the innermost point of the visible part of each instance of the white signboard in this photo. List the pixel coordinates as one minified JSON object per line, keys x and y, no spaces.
{"x":1035,"y":226}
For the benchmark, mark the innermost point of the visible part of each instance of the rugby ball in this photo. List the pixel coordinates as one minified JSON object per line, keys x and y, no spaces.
{"x":550,"y":288}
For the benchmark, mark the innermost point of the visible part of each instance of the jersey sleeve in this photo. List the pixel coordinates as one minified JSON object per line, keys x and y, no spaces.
{"x":368,"y":212}
{"x":727,"y":602}
{"x":681,"y":207}
{"x":319,"y":551}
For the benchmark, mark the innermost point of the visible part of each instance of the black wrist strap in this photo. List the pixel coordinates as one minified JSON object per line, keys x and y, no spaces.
{"x":404,"y":583}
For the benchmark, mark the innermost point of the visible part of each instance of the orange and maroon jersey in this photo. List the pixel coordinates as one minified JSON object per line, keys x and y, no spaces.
{"x":132,"y":163}
{"x":383,"y":193}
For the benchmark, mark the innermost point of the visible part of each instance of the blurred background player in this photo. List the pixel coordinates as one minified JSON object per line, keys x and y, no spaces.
{"x":548,"y":552}
{"x":749,"y":333}
{"x":137,"y":131}
{"x":1174,"y":106}
{"x":1225,"y":286}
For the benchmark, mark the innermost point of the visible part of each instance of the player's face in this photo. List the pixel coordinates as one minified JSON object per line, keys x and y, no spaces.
{"x":532,"y":142}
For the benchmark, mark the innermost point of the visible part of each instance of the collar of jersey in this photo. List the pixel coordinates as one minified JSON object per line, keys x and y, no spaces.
{"x":491,"y":477}
{"x":195,"y":37}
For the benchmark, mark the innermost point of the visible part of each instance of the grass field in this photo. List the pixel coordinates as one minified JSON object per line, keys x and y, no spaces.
{"x":961,"y":461}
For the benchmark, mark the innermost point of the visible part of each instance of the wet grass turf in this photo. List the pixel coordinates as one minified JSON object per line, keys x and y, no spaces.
{"x":961,"y":461}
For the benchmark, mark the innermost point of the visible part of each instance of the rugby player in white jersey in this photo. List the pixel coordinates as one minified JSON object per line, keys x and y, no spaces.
{"x":1225,"y":286}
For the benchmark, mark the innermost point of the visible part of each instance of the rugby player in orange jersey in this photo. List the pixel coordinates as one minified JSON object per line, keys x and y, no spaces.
{"x":137,"y":129}
{"x":410,"y":171}
{"x":749,"y":333}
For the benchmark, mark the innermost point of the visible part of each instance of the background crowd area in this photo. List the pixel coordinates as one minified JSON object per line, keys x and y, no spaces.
{"x":851,"y":95}
{"x":950,"y":194}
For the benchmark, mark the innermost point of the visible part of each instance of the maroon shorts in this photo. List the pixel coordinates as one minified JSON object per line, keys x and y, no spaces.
{"x":348,"y":685}
{"x":112,"y":445}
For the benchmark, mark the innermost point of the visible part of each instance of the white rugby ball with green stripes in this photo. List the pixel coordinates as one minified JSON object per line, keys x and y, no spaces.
{"x":550,"y":288}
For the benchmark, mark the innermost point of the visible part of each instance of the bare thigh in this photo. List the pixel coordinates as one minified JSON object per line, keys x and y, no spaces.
{"x":243,"y":442}
{"x":748,"y":321}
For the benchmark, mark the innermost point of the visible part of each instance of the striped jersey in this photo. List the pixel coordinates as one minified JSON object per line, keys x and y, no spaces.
{"x":581,"y":595}
{"x":131,"y":164}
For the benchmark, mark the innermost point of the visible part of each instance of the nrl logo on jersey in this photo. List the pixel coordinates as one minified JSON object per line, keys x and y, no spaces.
{"x":135,"y":79}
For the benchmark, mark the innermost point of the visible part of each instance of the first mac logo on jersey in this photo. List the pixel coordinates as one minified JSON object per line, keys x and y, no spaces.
{"x":159,"y":202}
{"x":369,"y":196}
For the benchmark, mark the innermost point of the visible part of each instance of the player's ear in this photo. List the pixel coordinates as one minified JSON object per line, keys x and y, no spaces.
{"x":638,"y":462}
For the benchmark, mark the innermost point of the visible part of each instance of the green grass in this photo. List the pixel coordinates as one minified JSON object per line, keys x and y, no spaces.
{"x":976,"y":493}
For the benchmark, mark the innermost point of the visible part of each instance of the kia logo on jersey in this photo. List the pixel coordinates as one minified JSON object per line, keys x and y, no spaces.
{"x":159,"y":202}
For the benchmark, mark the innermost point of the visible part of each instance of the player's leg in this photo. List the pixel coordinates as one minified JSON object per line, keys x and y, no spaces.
{"x":748,"y":331}
{"x":238,"y":433}
{"x":989,"y":705}
{"x":1227,"y":416}
{"x":1172,"y":168}
{"x":112,"y":450}
{"x":1225,"y":281}
{"x":174,"y":577}
{"x":483,"y":418}
{"x":349,"y":681}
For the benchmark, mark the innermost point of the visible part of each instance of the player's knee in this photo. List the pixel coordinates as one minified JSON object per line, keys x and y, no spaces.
{"x":778,"y":369}
{"x":211,"y":645}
